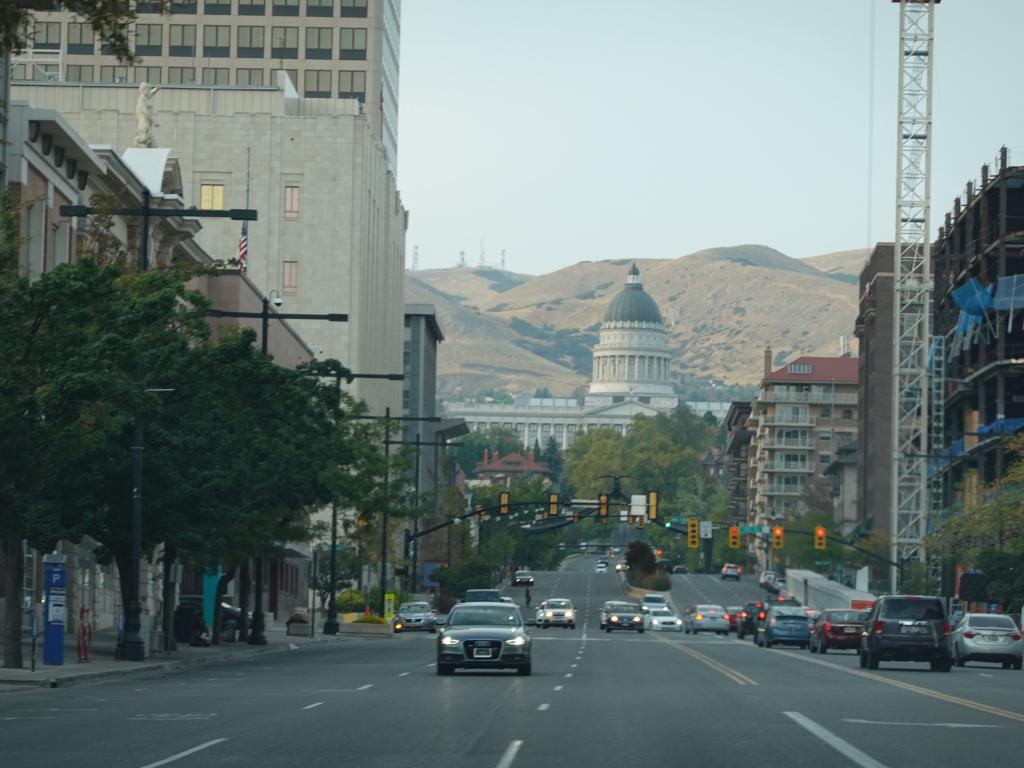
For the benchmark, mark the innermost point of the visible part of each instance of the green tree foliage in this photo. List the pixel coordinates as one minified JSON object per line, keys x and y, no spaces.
{"x":552,"y":456}
{"x":543,"y":392}
{"x":499,"y":439}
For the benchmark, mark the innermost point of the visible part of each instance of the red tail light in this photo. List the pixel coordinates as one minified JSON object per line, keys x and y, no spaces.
{"x":761,"y":615}
{"x":828,"y":626}
{"x":879,"y":627}
{"x":1015,"y":636}
{"x":945,"y":628}
{"x":743,"y":614}
{"x":969,"y":634}
{"x":726,"y":617}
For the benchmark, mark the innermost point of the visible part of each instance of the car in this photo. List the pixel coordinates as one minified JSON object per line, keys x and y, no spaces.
{"x":680,"y":569}
{"x":663,"y":619}
{"x":730,"y":571}
{"x":988,"y":637}
{"x":766,"y":578}
{"x":837,"y":629}
{"x":621,"y":615}
{"x":651,"y":600}
{"x":620,"y":567}
{"x":415,"y":617}
{"x":506,"y":599}
{"x":907,"y":628}
{"x":482,"y":596}
{"x":779,"y":586}
{"x":733,"y":615}
{"x":556,"y":611}
{"x":706,"y":618}
{"x":522,"y":579}
{"x":600,"y":568}
{"x":746,"y":624}
{"x":484,"y":636}
{"x":784,"y":625}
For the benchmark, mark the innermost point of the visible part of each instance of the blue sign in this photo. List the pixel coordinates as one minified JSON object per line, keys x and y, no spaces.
{"x":55,"y":607}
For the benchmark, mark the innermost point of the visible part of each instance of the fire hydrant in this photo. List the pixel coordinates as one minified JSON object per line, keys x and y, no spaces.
{"x":84,"y":635}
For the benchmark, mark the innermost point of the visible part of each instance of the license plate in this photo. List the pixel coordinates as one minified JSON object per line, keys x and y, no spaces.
{"x":991,"y":638}
{"x":481,"y":653}
{"x":849,"y":630}
{"x":912,"y":630}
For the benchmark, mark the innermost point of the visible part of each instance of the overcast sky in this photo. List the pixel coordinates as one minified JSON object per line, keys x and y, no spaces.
{"x":567,"y":130}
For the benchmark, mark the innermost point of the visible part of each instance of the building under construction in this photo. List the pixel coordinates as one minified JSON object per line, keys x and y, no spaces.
{"x":979,"y":327}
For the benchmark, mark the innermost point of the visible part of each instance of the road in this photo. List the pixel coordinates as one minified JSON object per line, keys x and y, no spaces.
{"x":594,"y":699}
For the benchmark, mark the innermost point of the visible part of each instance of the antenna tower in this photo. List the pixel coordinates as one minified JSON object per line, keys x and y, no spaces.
{"x":912,"y":282}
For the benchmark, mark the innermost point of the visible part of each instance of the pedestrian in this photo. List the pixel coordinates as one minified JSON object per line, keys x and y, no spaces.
{"x":527,"y":597}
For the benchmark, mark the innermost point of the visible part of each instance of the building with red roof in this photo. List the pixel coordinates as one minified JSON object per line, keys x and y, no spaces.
{"x":496,"y":468}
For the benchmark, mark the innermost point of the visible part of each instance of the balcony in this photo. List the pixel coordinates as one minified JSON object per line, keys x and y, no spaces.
{"x":786,"y":466}
{"x":791,"y":420}
{"x":781,"y":490}
{"x":823,"y":398}
{"x":800,"y":444}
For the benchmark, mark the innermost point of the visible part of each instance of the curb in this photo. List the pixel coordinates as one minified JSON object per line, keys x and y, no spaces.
{"x":127,"y":672}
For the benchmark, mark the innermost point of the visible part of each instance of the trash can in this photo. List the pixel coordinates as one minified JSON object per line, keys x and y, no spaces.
{"x":185,"y":621}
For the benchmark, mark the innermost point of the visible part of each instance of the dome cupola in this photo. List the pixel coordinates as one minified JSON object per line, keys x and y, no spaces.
{"x":633,"y":304}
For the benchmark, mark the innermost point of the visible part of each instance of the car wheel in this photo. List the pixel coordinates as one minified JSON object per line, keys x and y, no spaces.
{"x":957,"y":658}
{"x":739,"y":635}
{"x":572,"y":626}
{"x":1006,"y":665}
{"x":1018,"y":663}
{"x":863,"y":660}
{"x":767,"y":643}
{"x":641,"y":630}
{"x":526,"y":670}
{"x":609,"y":630}
{"x":822,"y":647}
{"x":872,"y":661}
{"x":445,"y":669}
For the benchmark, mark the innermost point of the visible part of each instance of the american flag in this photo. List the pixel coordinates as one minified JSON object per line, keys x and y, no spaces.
{"x":243,"y":248}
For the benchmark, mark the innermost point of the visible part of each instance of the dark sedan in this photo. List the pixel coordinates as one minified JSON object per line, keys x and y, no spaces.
{"x":624,"y":616}
{"x":836,"y":629}
{"x":522,"y":579}
{"x":483,"y":636}
{"x":747,"y":622}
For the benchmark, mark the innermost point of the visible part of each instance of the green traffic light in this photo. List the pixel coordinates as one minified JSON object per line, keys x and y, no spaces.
{"x":668,"y":523}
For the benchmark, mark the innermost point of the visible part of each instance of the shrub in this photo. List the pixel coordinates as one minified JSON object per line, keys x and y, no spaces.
{"x":658,"y":582}
{"x":350,"y":601}
{"x":370,"y":620}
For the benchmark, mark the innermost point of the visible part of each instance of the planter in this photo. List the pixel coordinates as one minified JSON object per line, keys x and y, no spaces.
{"x":375,"y":631}
{"x":298,"y":629}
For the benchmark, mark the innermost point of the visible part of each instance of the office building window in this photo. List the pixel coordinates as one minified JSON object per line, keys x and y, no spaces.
{"x":291,"y":203}
{"x":293,"y":75}
{"x":216,"y":76}
{"x":211,"y":196}
{"x":353,"y":8}
{"x":352,"y":85}
{"x":147,"y":6}
{"x":250,"y":42}
{"x":825,"y":413}
{"x":249,"y":77}
{"x":217,"y":7}
{"x":319,"y":7}
{"x":319,"y":42}
{"x":183,"y":6}
{"x":147,"y":75}
{"x":284,"y":42}
{"x":353,"y":44}
{"x":290,"y":277}
{"x":252,"y":8}
{"x":847,"y":413}
{"x":181,"y":75}
{"x":80,"y":38}
{"x":111,"y":74}
{"x":216,"y":40}
{"x":46,"y":72}
{"x":79,"y":73}
{"x":149,"y":39}
{"x":46,"y":36}
{"x":317,"y":84}
{"x":182,"y":38}
{"x":286,"y":7}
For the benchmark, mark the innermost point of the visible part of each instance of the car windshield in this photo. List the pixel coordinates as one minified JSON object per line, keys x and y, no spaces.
{"x":559,"y":604}
{"x":847,"y":616}
{"x":623,"y":608}
{"x":482,"y":595}
{"x":662,"y":612}
{"x":710,"y":609}
{"x":484,"y":616}
{"x":790,"y":616}
{"x":991,"y":622}
{"x":522,"y":573}
{"x":909,"y":609}
{"x":654,"y":599}
{"x":414,"y":608}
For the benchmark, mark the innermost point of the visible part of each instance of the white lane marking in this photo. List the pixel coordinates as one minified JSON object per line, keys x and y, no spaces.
{"x":402,"y":674}
{"x":568,"y":674}
{"x":559,"y":687}
{"x":510,"y":754}
{"x":573,"y":666}
{"x":314,"y":705}
{"x":543,"y":707}
{"x":432,"y":664}
{"x":919,"y":725}
{"x":985,"y":674}
{"x":364,"y":687}
{"x":844,"y":748}
{"x":186,"y":753}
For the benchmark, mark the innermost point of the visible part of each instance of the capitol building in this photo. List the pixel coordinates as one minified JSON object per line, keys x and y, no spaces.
{"x":632,"y":376}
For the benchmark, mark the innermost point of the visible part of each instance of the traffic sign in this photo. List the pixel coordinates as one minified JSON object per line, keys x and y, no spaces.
{"x":755,"y":529}
{"x":706,"y":530}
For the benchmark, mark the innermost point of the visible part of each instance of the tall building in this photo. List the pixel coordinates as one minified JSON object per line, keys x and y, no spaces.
{"x":874,"y":392}
{"x":331,"y":49}
{"x":631,"y":377}
{"x":330,"y":237}
{"x":737,"y":451}
{"x":803,"y":414}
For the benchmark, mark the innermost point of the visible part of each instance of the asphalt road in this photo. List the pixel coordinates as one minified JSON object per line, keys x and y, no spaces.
{"x":594,"y":699}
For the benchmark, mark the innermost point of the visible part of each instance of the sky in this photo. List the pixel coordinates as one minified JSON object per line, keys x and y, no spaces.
{"x":570,"y":130}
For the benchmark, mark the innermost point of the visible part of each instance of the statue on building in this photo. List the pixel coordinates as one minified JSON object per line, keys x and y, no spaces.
{"x":145,"y":122}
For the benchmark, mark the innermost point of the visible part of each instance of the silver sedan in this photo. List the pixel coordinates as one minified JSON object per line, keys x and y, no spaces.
{"x":706,"y":618}
{"x":988,"y":637}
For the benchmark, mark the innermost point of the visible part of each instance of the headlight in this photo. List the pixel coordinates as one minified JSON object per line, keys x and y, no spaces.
{"x":569,"y":614}
{"x":398,"y":625}
{"x":636,"y":618}
{"x":615,"y":618}
{"x":449,"y":641}
{"x":549,"y":614}
{"x":518,"y":640}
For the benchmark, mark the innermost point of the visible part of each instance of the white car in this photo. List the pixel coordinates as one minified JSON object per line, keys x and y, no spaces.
{"x":601,"y":568}
{"x":662,"y":619}
{"x":556,"y":611}
{"x":650,"y":602}
{"x":766,"y":578}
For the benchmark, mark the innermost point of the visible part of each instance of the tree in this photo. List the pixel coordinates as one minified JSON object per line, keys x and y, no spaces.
{"x":543,"y":392}
{"x":109,"y":18}
{"x":552,"y":456}
{"x":496,"y":439}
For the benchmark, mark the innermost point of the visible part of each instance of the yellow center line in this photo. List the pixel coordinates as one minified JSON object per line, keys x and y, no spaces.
{"x":948,"y":698}
{"x":737,"y":677}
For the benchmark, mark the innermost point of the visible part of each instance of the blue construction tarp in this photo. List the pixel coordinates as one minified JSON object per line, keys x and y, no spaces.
{"x":974,"y":298}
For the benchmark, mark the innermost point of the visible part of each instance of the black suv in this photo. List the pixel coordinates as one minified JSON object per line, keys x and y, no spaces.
{"x":907,"y":628}
{"x":746,"y":622}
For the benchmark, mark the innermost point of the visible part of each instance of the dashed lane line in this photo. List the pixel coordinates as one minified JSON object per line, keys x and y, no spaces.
{"x":558,"y":687}
{"x":365,"y":687}
{"x":843,"y":747}
{"x":186,"y":753}
{"x":510,"y":754}
{"x":314,"y":705}
{"x":543,"y":707}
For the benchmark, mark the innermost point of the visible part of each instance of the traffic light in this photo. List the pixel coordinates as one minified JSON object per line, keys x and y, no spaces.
{"x":777,"y":537}
{"x":693,"y":533}
{"x":410,"y":544}
{"x":552,"y":505}
{"x":820,"y":537}
{"x":659,"y":552}
{"x":640,"y":520}
{"x":652,"y":505}
{"x":734,"y":537}
{"x":602,"y":507}
{"x":503,"y":502}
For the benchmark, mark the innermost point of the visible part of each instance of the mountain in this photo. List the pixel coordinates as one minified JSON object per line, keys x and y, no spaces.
{"x":722,"y":306}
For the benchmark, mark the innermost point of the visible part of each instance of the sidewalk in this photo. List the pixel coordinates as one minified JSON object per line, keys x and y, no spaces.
{"x":102,"y":663}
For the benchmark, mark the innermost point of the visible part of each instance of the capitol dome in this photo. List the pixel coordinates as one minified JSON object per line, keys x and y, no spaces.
{"x":632,"y":304}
